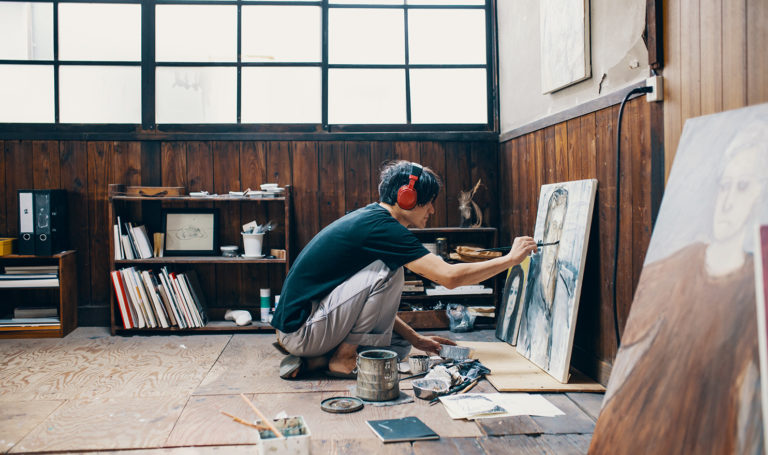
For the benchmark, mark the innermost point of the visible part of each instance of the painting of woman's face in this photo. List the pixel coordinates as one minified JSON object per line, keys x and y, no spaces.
{"x":740,"y":188}
{"x":553,"y":230}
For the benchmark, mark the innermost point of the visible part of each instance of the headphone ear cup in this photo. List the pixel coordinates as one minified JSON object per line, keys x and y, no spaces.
{"x":406,"y":197}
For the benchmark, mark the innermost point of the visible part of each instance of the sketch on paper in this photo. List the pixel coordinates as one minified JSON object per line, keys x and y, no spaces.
{"x":565,"y":53}
{"x":512,"y":298}
{"x":554,"y":282}
{"x":689,"y":351}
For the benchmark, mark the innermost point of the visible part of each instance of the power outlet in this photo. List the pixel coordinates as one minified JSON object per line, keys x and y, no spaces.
{"x":657,"y":83}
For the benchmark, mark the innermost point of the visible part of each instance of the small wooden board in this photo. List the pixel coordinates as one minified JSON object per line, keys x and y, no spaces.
{"x":511,"y":372}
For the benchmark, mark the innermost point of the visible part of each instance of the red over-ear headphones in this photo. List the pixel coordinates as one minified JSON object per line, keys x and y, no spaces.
{"x":406,"y":195}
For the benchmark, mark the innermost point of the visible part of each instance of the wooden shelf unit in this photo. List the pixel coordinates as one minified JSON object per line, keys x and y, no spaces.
{"x":216,"y":322}
{"x":429,"y":318}
{"x":66,"y":295}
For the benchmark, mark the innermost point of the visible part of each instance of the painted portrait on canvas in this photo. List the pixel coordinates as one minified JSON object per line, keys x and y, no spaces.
{"x":512,"y":298}
{"x":686,"y":377}
{"x":554,"y":280}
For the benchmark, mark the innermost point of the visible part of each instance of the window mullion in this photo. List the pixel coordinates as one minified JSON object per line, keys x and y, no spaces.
{"x":239,"y":61}
{"x":324,"y":74}
{"x":55,"y":62}
{"x":148,"y":64}
{"x":407,"y":69}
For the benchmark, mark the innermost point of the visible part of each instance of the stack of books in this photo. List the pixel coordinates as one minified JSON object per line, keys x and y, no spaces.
{"x":30,"y":276}
{"x":164,"y":299}
{"x":132,"y":242}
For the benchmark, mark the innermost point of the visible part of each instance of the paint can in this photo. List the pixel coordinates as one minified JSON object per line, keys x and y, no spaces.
{"x":377,"y":376}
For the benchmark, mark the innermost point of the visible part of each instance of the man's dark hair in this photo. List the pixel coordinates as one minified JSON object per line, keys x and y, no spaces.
{"x":396,"y":174}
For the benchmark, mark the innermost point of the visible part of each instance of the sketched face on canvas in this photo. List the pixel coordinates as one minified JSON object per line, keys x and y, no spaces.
{"x":553,"y":230}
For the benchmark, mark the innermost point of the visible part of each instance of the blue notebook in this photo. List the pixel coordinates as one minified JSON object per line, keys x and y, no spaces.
{"x":401,"y":430}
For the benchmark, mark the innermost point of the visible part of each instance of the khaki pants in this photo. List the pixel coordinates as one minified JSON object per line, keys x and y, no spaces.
{"x":359,"y":311}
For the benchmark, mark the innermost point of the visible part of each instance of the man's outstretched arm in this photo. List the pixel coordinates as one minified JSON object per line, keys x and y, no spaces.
{"x":435,"y":269}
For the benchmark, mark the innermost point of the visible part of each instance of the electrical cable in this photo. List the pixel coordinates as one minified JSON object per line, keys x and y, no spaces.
{"x":634,"y":91}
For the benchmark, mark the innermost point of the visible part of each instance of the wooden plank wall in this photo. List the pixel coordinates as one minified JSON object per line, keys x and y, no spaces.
{"x":582,"y":148}
{"x":329,"y":178}
{"x":715,"y":60}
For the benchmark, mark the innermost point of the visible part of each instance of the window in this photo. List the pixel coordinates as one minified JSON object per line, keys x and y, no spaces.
{"x":247,"y":65}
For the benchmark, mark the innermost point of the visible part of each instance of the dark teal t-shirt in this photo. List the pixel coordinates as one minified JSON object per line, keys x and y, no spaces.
{"x":339,"y":251}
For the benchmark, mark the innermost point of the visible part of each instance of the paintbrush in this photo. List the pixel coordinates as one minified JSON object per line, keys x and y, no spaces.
{"x":244,"y":422}
{"x":505,"y":248}
{"x":264,"y":420}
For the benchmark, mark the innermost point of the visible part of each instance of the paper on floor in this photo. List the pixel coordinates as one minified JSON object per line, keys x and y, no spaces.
{"x":485,"y":405}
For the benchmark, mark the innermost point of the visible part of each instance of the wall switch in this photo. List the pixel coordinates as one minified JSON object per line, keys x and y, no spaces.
{"x":658,"y":89}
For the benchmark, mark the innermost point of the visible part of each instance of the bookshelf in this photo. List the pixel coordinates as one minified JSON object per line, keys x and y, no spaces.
{"x":147,"y":209}
{"x":63,"y":296}
{"x":418,"y":308}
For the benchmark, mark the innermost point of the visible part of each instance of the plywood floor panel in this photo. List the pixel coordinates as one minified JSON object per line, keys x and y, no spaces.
{"x":109,"y":367}
{"x":590,"y":403}
{"x":359,"y":446}
{"x":18,"y":418}
{"x":104,"y":424}
{"x":250,"y":364}
{"x":201,"y":422}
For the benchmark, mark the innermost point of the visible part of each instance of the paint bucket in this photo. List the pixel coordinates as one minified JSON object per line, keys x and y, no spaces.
{"x":377,"y":377}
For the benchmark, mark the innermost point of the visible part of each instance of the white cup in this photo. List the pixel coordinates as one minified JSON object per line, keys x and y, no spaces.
{"x":252,"y":244}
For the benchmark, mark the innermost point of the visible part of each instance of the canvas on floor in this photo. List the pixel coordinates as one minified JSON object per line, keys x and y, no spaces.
{"x":686,"y":378}
{"x":555,"y":275}
{"x":512,"y":299}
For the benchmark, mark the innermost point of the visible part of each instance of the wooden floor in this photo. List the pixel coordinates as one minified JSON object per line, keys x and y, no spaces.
{"x":93,"y":393}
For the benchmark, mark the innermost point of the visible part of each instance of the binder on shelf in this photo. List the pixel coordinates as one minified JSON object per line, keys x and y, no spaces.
{"x":50,"y":221}
{"x":26,"y":222}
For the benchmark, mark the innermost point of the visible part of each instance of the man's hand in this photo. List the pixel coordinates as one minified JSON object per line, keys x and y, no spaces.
{"x":431,"y":344}
{"x":521,"y":248}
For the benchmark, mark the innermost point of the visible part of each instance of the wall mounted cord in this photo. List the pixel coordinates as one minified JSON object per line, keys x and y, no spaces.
{"x":634,"y":91}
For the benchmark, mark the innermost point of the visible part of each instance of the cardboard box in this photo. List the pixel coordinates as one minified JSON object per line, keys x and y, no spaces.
{"x":6,"y":245}
{"x":296,"y":440}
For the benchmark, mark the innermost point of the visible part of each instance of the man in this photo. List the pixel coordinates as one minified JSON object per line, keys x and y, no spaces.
{"x":343,"y":291}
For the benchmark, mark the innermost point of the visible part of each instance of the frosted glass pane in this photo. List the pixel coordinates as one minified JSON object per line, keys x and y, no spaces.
{"x":99,"y":94}
{"x":446,"y":36}
{"x":26,"y":31}
{"x":196,"y":95}
{"x":446,"y":2}
{"x":281,"y":34}
{"x":449,"y":96}
{"x":281,"y":95}
{"x":198,"y":33}
{"x":90,"y":31}
{"x":26,"y":94}
{"x":366,"y":96}
{"x":366,"y":36}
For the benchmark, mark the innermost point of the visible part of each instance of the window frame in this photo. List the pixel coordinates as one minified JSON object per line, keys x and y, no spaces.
{"x":148,"y":129}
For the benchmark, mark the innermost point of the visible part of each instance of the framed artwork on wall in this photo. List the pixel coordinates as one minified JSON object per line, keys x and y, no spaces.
{"x":190,"y":232}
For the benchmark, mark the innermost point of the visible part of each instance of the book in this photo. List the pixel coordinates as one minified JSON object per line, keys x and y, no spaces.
{"x":30,"y":322}
{"x":142,"y":242}
{"x":118,"y":243}
{"x":197,"y":294}
{"x":35,"y":312}
{"x":121,"y":300}
{"x":181,"y":279}
{"x":27,"y":269}
{"x":181,"y":318}
{"x":159,"y":244}
{"x":126,"y":242}
{"x":401,"y":430}
{"x":157,"y":305}
{"x":30,"y":283}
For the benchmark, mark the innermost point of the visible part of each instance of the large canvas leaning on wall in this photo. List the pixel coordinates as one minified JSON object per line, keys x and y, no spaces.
{"x":686,"y":378}
{"x":512,"y":298}
{"x":555,"y":275}
{"x":564,"y":43}
{"x":761,"y":291}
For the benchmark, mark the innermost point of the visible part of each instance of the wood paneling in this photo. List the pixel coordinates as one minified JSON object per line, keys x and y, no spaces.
{"x":715,"y":60}
{"x":328,"y":179}
{"x":584,"y":148}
